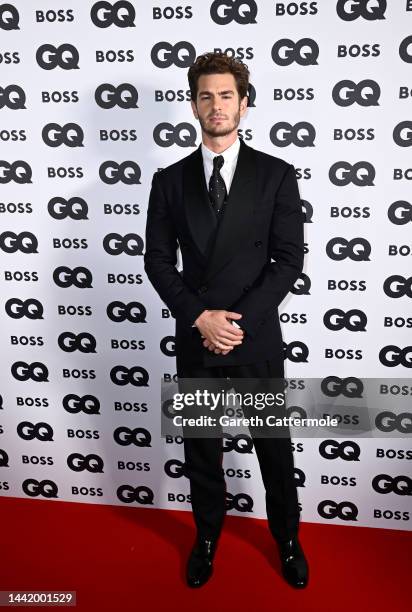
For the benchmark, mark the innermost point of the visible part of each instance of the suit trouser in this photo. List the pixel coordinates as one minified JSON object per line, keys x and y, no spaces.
{"x":204,"y":457}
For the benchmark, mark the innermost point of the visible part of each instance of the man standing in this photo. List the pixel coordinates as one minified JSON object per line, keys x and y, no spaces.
{"x":232,"y":209}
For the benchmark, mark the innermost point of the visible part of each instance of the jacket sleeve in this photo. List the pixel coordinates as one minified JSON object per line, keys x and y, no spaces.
{"x":160,"y":259}
{"x":286,"y":247}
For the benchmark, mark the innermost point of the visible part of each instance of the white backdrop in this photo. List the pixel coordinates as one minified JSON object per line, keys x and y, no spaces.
{"x":331,"y":93}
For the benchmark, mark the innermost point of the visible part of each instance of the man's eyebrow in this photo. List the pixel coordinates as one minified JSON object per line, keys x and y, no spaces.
{"x":226,"y":91}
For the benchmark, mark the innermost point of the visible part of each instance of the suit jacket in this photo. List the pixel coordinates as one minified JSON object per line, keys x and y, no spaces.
{"x":226,"y":265}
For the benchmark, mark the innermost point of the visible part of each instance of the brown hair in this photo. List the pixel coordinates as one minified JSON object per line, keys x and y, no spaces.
{"x":218,"y":63}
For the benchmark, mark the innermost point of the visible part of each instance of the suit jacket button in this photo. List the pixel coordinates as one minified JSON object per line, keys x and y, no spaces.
{"x":246,"y":288}
{"x":258,"y":243}
{"x":202,"y":289}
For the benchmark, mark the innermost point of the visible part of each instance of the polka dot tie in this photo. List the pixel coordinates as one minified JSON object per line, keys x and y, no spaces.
{"x":217,"y":187}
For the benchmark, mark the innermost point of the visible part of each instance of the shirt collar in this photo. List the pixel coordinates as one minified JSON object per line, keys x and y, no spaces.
{"x":229,"y":154}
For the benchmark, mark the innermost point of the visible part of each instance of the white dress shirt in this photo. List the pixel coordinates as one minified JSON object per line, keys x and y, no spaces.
{"x":227,"y":171}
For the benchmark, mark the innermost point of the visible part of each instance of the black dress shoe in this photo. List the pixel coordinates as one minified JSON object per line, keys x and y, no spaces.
{"x":200,"y":562}
{"x":295,"y":568}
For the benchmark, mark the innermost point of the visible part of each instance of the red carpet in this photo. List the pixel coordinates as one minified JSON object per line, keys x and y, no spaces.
{"x":133,"y":559}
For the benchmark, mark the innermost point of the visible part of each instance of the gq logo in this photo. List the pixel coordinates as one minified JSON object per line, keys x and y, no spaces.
{"x":136,"y":376}
{"x":36,"y":371}
{"x":127,"y":172}
{"x":74,"y":404}
{"x":74,"y":208}
{"x":365,"y":93}
{"x":79,"y":277}
{"x":240,"y":502}
{"x":333,"y":386}
{"x":384,"y":484}
{"x":121,"y":14}
{"x":392,"y":356}
{"x":349,"y":11}
{"x":12,"y":97}
{"x":332,"y":449}
{"x":389,"y":421}
{"x":167,"y":346}
{"x":302,"y":134}
{"x":357,"y":249}
{"x":402,"y":134}
{"x":142,"y":495}
{"x":241,"y":443}
{"x":39,"y":431}
{"x":346,"y":511}
{"x":242,"y":12}
{"x":336,"y":319}
{"x":400,"y":212}
{"x":18,"y":172}
{"x":25,"y":242}
{"x":181,"y":54}
{"x":295,"y":351}
{"x":130,"y":244}
{"x":30,"y":308}
{"x":397,"y":286}
{"x":55,"y":135}
{"x":35,"y":488}
{"x":304,"y":52}
{"x":183,"y":134}
{"x":134,"y":312}
{"x":124,"y":96}
{"x":91,"y":463}
{"x":174,"y":468}
{"x":83,"y":342}
{"x":139,"y":436}
{"x":9,"y":17}
{"x":65,"y":56}
{"x":302,"y":285}
{"x":343,"y":173}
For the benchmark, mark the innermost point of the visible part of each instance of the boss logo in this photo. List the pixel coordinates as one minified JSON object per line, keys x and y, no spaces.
{"x":65,"y":56}
{"x":361,"y":8}
{"x":70,"y":342}
{"x":91,"y":463}
{"x":333,"y":386}
{"x":336,"y":319}
{"x":121,"y":14}
{"x":74,"y":404}
{"x":136,"y":376}
{"x":79,"y":277}
{"x":167,"y":346}
{"x":52,"y":16}
{"x":35,"y":431}
{"x":356,"y":249}
{"x":70,"y":134}
{"x":127,"y":172}
{"x":183,"y":134}
{"x":242,"y":12}
{"x":401,"y":485}
{"x":18,"y":172}
{"x":9,"y":17}
{"x":74,"y":208}
{"x":129,"y":494}
{"x":124,"y":96}
{"x":343,"y":173}
{"x":169,"y":12}
{"x":240,"y":502}
{"x":12,"y":97}
{"x":164,"y":54}
{"x":389,"y":421}
{"x":346,"y":511}
{"x":304,"y":52}
{"x":30,"y":308}
{"x":296,"y":351}
{"x":240,"y":443}
{"x":402,"y":134}
{"x":332,"y":449}
{"x":365,"y":93}
{"x":130,"y":244}
{"x":134,"y":312}
{"x":36,"y":488}
{"x":302,"y":134}
{"x":35,"y":371}
{"x":392,"y":356}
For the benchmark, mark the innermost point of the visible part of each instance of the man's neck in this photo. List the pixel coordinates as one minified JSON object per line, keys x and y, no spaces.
{"x":217,"y":144}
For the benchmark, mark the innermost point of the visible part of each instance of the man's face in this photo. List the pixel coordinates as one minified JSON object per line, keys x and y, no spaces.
{"x":217,"y":105}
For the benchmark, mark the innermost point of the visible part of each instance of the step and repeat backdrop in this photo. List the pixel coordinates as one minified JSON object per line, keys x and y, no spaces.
{"x":93,"y":100}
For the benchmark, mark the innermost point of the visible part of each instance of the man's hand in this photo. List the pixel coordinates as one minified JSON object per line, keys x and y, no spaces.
{"x":218,"y":332}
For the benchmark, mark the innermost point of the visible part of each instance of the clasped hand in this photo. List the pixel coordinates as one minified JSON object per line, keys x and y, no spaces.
{"x":219,"y":335}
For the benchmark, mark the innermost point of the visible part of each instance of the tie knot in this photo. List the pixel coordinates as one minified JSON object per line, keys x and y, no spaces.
{"x":218,"y":162}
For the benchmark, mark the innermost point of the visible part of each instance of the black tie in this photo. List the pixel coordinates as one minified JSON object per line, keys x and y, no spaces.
{"x":217,"y":187}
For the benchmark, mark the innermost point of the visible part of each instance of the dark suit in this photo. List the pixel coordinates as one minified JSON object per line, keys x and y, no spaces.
{"x":227,"y":265}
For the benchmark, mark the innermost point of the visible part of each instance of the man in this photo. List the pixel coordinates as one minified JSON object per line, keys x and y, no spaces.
{"x":232,"y":209}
